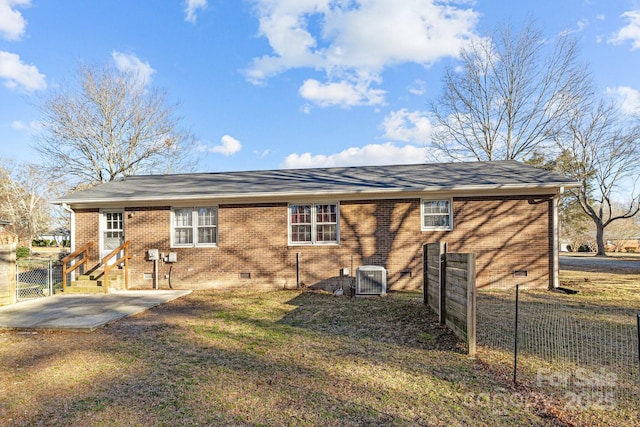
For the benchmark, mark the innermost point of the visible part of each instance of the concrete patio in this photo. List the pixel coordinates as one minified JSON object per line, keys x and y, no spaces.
{"x":81,"y":312}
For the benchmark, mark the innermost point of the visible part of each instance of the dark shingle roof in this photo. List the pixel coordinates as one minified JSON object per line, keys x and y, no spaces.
{"x":285,"y":183}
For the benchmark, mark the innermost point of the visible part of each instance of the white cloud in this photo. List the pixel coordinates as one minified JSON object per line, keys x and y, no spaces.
{"x":17,"y":74}
{"x":19,"y":125}
{"x":629,"y":98}
{"x":306,"y":109}
{"x":192,"y":7}
{"x":356,"y":40}
{"x":372,"y":154}
{"x":405,"y":126}
{"x":229,"y":146}
{"x":343,"y":94}
{"x":418,"y":88}
{"x":261,"y":154}
{"x":631,"y":31}
{"x":131,"y":63}
{"x":12,"y":23}
{"x":580,"y":26}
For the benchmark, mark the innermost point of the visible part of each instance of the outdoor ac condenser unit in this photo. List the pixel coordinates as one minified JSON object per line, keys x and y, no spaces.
{"x":371,"y":280}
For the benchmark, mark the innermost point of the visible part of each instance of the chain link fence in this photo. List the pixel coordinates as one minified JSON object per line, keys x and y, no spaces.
{"x":37,"y":279}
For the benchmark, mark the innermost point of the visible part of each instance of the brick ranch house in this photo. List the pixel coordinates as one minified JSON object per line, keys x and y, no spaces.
{"x":275,"y":228}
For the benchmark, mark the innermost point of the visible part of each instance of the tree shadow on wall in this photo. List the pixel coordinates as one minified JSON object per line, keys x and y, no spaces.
{"x":504,"y":239}
{"x":386,"y":234}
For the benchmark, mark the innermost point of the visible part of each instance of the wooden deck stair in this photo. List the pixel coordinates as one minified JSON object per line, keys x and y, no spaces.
{"x":93,"y":282}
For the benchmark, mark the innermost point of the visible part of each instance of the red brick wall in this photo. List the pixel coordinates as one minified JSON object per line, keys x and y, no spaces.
{"x":506,"y":235}
{"x":87,"y":229}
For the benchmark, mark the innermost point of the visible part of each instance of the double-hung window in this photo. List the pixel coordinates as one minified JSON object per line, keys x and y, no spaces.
{"x":194,"y":226}
{"x":437,"y":215}
{"x":314,"y":223}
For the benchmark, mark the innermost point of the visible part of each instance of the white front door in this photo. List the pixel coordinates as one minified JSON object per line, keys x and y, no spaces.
{"x":111,"y":232}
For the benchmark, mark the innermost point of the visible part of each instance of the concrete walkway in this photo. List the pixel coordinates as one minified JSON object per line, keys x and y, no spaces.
{"x":81,"y":312}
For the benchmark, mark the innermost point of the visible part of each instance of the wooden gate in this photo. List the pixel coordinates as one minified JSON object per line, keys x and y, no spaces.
{"x":450,"y":290}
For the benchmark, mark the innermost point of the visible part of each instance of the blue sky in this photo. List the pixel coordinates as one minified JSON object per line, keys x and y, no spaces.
{"x":268,"y":84}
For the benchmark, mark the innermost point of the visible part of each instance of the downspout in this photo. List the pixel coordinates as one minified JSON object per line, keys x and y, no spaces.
{"x":73,"y":226}
{"x":556,"y":239}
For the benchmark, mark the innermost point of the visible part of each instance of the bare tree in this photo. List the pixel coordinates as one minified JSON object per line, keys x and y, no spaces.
{"x":24,"y":193}
{"x":507,"y":95}
{"x":107,"y":124}
{"x":577,"y":229}
{"x":601,"y":149}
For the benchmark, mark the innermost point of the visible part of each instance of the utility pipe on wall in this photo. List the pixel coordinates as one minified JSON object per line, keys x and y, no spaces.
{"x":155,"y":273}
{"x":556,"y":239}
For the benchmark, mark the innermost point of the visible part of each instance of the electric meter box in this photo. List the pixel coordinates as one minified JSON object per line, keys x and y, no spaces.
{"x":172,"y":257}
{"x":152,"y":254}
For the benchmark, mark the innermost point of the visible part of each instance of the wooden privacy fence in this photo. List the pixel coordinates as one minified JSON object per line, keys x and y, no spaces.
{"x":450,"y":290}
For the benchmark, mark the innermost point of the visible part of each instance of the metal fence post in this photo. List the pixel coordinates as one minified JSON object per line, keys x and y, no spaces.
{"x":425,"y":275}
{"x":515,"y":339}
{"x":443,"y":288}
{"x":17,"y":281}
{"x":50,"y":278}
{"x":638,"y":330}
{"x":297,"y":270}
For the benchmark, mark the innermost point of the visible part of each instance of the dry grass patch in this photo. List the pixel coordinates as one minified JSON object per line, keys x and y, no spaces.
{"x":255,"y":358}
{"x":590,"y":336}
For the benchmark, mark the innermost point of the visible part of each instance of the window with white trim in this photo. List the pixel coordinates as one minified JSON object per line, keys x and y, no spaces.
{"x":437,"y":215}
{"x":314,"y":223}
{"x":192,"y":227}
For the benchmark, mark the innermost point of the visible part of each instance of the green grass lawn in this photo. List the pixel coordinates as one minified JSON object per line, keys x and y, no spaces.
{"x":257,"y":358}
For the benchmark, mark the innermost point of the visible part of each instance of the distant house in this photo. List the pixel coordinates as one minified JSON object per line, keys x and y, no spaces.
{"x":279,"y":228}
{"x":623,"y":245}
{"x":58,"y":236}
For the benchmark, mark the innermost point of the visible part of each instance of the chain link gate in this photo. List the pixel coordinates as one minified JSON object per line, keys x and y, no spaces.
{"x":36,"y":279}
